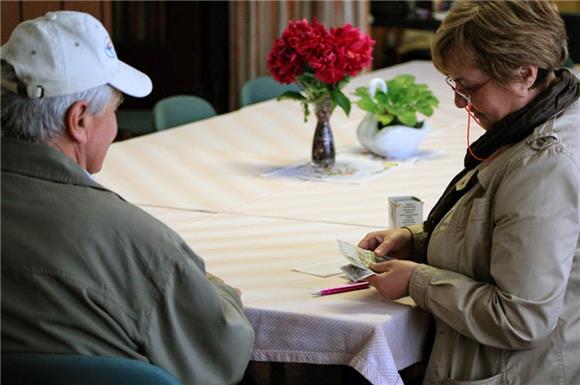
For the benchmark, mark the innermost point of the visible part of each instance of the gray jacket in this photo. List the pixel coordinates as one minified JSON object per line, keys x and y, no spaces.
{"x":503,"y":273}
{"x":83,"y":271}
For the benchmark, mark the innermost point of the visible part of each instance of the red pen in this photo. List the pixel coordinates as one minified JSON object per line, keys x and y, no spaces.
{"x":342,"y":288}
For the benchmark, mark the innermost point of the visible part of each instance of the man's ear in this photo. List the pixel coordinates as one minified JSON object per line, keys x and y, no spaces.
{"x":76,"y":119}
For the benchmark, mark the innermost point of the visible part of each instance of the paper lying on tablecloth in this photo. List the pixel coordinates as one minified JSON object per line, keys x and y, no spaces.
{"x":322,"y":269}
{"x":350,"y":167}
{"x":358,"y":268}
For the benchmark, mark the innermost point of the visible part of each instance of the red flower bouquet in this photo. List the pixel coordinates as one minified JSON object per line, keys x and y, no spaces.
{"x":321,"y":62}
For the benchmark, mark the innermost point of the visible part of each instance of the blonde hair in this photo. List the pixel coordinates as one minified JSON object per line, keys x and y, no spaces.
{"x":499,"y":37}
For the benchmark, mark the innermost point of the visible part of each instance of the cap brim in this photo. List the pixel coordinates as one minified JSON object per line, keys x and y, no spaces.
{"x":131,"y":81}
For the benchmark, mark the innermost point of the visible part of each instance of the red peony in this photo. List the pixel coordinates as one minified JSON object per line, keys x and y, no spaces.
{"x":284,"y":62}
{"x":354,"y":48}
{"x":318,"y":60}
{"x":307,"y":39}
{"x":332,"y":56}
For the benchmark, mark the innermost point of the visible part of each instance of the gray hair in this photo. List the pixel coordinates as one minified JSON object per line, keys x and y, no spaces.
{"x":43,"y":120}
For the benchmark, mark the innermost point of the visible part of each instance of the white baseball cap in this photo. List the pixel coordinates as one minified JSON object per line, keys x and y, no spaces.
{"x":66,"y":52}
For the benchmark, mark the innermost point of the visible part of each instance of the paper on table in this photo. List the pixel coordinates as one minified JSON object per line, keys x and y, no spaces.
{"x":320,"y":269}
{"x":355,"y":255}
{"x":348,"y":168}
{"x":351,"y":166}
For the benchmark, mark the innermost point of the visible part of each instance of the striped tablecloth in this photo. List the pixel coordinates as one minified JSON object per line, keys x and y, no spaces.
{"x":205,"y":181}
{"x":217,"y":164}
{"x":257,"y":254}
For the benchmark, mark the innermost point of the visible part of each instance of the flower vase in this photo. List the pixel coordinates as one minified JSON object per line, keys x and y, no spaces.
{"x":323,"y":144}
{"x":396,"y":142}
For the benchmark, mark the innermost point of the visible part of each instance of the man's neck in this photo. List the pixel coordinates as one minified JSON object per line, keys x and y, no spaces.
{"x":68,"y":148}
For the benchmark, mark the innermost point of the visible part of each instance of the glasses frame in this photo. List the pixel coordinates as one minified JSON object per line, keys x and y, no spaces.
{"x":451,"y":83}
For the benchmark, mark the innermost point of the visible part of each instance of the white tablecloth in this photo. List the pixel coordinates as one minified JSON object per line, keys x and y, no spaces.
{"x":257,"y":254}
{"x":217,"y":164}
{"x":205,"y":180}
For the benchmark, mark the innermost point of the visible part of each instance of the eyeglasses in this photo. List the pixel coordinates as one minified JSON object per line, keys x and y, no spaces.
{"x":468,"y":107}
{"x":467,"y":96}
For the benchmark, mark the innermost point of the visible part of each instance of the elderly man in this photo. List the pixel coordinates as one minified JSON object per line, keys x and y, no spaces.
{"x":83,"y":271}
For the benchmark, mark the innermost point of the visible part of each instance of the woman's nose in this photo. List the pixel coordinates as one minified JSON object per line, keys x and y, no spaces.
{"x":460,"y":101}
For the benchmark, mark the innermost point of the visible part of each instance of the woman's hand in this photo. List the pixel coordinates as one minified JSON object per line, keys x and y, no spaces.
{"x":397,"y":243}
{"x":392,"y":279}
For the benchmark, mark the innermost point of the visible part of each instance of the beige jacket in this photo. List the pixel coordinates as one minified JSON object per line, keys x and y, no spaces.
{"x":503,"y":273}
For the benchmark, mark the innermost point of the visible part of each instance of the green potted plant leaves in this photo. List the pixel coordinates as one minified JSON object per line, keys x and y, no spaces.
{"x":391,"y":127}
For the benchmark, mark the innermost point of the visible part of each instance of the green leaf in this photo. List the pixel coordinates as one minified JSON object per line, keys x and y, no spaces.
{"x":422,"y":88}
{"x":368,"y":105}
{"x":385,"y":119}
{"x":293,"y":95}
{"x":306,"y":110}
{"x":341,"y":100}
{"x":362,"y":92}
{"x":381,"y":97}
{"x":407,"y":118}
{"x":403,"y":100}
{"x":433,"y":101}
{"x":401,"y":81}
{"x":425,"y":109}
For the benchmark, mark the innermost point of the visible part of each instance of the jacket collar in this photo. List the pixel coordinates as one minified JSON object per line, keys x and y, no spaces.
{"x":43,"y":162}
{"x":543,"y":136}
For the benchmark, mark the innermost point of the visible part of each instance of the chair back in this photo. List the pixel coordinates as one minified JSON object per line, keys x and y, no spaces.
{"x":263,"y":88}
{"x":65,"y":369}
{"x":180,"y":109}
{"x":135,"y":122}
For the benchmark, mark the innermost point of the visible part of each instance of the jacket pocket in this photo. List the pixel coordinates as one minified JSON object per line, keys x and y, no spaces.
{"x":474,"y":240}
{"x":495,"y":380}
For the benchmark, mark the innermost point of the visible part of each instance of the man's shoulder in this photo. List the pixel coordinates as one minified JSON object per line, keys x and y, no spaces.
{"x":130,"y":221}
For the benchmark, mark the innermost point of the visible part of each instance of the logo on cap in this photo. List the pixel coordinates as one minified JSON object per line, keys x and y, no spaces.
{"x":109,"y":49}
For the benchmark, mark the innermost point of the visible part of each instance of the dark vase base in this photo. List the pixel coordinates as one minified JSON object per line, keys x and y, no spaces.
{"x":323,"y":154}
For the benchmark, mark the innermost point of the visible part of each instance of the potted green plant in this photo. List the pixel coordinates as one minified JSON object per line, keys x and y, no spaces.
{"x":391,"y":127}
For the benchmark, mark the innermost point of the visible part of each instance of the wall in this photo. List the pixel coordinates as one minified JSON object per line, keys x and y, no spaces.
{"x":181,"y":45}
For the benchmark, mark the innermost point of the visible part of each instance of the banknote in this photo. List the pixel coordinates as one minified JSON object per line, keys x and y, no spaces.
{"x":355,"y":273}
{"x":355,"y":255}
{"x":360,"y":260}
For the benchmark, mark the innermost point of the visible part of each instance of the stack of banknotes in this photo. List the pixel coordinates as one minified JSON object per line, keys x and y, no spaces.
{"x":360,"y":260}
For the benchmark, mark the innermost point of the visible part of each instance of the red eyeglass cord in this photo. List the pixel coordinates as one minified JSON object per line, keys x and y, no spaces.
{"x":468,"y":109}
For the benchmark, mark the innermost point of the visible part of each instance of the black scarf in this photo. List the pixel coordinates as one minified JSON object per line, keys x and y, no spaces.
{"x":513,"y":128}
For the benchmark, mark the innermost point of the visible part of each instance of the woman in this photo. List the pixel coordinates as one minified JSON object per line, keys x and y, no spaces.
{"x":497,"y":261}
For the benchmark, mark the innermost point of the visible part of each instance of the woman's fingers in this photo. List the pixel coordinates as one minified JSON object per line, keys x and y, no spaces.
{"x":380,"y":267}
